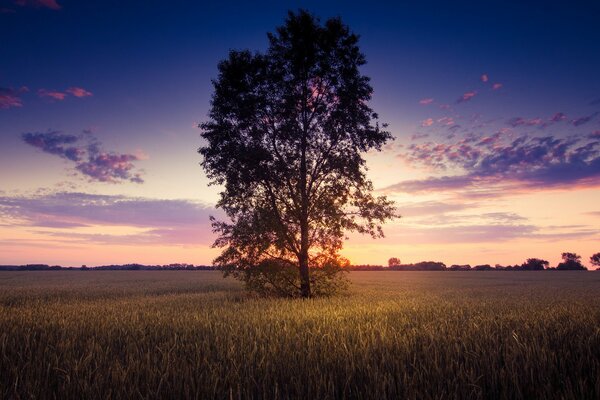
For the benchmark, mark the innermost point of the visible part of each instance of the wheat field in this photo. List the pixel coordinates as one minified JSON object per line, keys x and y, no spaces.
{"x":192,"y":334}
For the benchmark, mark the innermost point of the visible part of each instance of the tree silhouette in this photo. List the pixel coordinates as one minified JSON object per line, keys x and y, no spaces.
{"x":394,"y":262}
{"x":285,"y":135}
{"x":535,"y":264}
{"x":595,"y":259}
{"x":571,"y":261}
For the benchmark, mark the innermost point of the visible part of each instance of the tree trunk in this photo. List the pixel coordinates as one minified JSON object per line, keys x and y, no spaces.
{"x":304,"y":274}
{"x":303,"y":258}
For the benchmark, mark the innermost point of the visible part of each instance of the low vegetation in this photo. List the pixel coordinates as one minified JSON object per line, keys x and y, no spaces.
{"x":192,"y":334}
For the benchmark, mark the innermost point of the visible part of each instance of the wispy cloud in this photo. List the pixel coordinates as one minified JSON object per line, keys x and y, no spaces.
{"x":584,"y":120}
{"x":58,"y":95}
{"x":427,"y":122}
{"x":466,"y":97}
{"x":79,"y":92}
{"x":86,"y":153}
{"x":11,"y":97}
{"x":484,"y":78}
{"x":52,"y":94}
{"x":498,"y":167}
{"x":426,"y":101}
{"x":496,"y":86}
{"x":51,"y":4}
{"x":166,"y":222}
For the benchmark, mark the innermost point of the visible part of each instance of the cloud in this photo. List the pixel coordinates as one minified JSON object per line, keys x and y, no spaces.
{"x":484,"y":78}
{"x":51,"y":4}
{"x":426,"y":101}
{"x":518,"y":121}
{"x":419,"y":135}
{"x":53,"y":94}
{"x":583,"y":120}
{"x":478,"y":233}
{"x":87,"y":155}
{"x":466,"y":97}
{"x":78,"y":92}
{"x":558,"y":117}
{"x":57,"y":95}
{"x":427,"y":122}
{"x":166,"y":222}
{"x":594,"y":135}
{"x":495,"y":167}
{"x":10,"y":98}
{"x":496,"y":86}
{"x":426,"y":208}
{"x":55,"y":143}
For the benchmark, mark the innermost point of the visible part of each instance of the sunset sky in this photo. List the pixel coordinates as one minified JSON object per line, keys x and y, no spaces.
{"x":495,"y":110}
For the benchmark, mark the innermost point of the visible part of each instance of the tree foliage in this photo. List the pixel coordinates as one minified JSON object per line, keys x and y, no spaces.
{"x":394,"y":262}
{"x":595,"y":259}
{"x":571,"y":261}
{"x":285,"y":134}
{"x":535,"y":264}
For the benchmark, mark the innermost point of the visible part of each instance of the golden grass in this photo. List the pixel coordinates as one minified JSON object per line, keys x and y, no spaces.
{"x":414,"y":335}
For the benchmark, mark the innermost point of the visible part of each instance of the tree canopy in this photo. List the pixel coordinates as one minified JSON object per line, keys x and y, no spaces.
{"x":284,"y":138}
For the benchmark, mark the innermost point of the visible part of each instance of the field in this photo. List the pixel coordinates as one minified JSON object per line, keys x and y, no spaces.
{"x":414,"y":335}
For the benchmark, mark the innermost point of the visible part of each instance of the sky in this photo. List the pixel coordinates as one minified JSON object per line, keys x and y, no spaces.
{"x":494,"y":107}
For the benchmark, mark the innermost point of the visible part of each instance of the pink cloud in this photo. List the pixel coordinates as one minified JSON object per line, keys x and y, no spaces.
{"x":78,"y":92}
{"x":467,"y":96}
{"x":51,"y":4}
{"x":446,"y":121}
{"x":427,"y":122}
{"x":426,"y":101}
{"x":52,"y":94}
{"x":496,"y":86}
{"x":9,"y":98}
{"x":484,"y":78}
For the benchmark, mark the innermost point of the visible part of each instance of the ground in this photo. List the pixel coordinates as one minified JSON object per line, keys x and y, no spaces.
{"x":192,"y":334}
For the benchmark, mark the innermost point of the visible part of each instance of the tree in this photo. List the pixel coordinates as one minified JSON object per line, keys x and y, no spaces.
{"x":285,"y":134}
{"x":595,"y":259}
{"x":394,"y":262}
{"x":535,"y":264}
{"x":571,"y":261}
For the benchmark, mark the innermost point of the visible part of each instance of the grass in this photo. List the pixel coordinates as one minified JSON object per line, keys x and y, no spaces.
{"x":413,"y":335}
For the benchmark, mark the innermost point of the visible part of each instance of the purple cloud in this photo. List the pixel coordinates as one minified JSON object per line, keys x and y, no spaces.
{"x":466,"y":97}
{"x":583,"y":120}
{"x":10,"y":98}
{"x":171,"y":222}
{"x":518,"y":121}
{"x":425,"y":102}
{"x":496,"y":86}
{"x":78,"y":92}
{"x":89,"y":159}
{"x":51,"y":4}
{"x":490,"y":165}
{"x":484,"y":78}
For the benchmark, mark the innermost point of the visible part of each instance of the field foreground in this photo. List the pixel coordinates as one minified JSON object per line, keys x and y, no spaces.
{"x":192,"y":334}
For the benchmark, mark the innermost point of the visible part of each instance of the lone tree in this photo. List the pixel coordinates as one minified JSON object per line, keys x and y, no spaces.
{"x":595,"y":259}
{"x":394,"y":262}
{"x":285,"y":134}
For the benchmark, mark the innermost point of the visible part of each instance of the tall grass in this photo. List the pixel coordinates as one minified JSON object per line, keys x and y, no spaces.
{"x":414,"y":335}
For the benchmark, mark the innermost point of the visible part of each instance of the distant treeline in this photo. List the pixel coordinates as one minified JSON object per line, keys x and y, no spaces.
{"x":124,"y":267}
{"x":571,"y":262}
{"x":531,"y":264}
